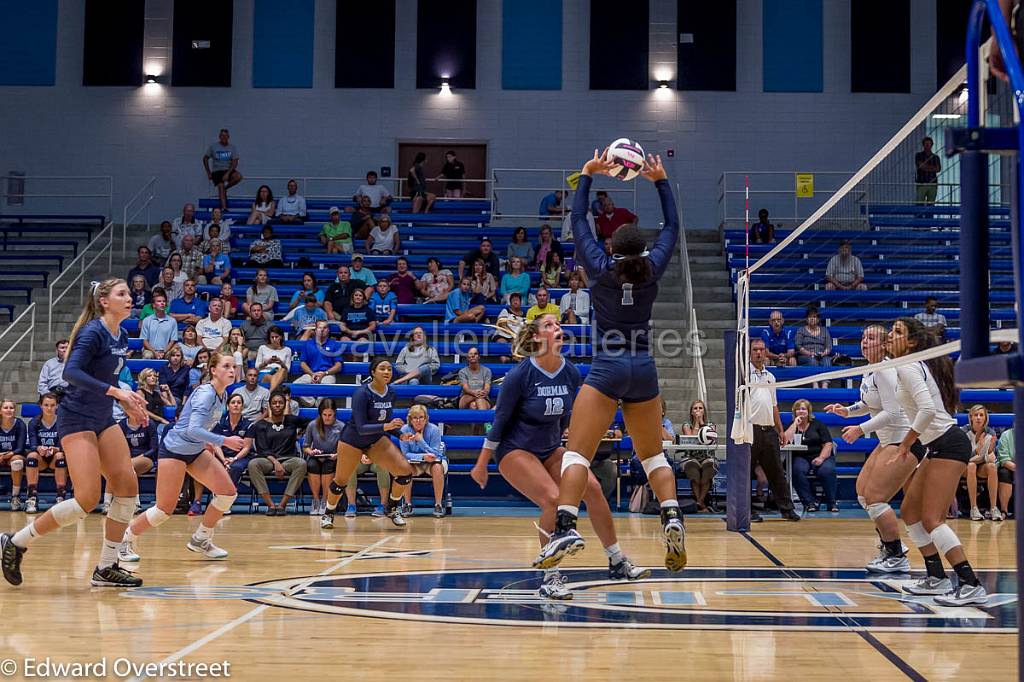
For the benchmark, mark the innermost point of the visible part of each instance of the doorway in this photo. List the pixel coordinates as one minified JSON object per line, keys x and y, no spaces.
{"x":472,"y":155}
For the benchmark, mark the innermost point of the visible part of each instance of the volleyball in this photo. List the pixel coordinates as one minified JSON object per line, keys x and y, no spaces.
{"x":707,"y":434}
{"x":628,"y":156}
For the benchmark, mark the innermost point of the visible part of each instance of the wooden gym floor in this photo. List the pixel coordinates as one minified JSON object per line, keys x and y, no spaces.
{"x":453,"y":599}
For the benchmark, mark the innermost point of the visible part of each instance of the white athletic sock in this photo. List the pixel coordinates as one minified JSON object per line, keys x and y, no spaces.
{"x":108,"y":557}
{"x":614,"y":553}
{"x":670,"y":503}
{"x":549,"y":572}
{"x":575,"y":511}
{"x":15,"y":491}
{"x":26,"y":536}
{"x":108,"y":498}
{"x":129,"y":536}
{"x":203,"y":533}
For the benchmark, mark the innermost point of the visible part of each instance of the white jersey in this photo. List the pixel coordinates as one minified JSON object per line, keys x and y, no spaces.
{"x":878,"y":398}
{"x":920,"y":398}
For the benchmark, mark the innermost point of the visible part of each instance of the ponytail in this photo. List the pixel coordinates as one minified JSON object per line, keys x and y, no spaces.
{"x":941,"y":368}
{"x":524,"y":345}
{"x":632,"y":265}
{"x":93,"y":310}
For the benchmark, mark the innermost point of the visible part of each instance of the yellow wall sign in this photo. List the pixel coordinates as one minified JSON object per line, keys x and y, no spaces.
{"x":805,"y":185}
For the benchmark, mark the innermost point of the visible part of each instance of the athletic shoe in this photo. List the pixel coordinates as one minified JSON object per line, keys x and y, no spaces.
{"x":625,"y":570}
{"x":755,"y":517}
{"x":964,"y":595}
{"x":976,"y":514}
{"x":15,"y":504}
{"x":206,"y":548}
{"x":128,"y":554}
{"x":997,"y":515}
{"x":327,"y":520}
{"x":559,"y":546}
{"x":271,"y":510}
{"x":194,"y":509}
{"x":114,"y":576}
{"x":811,"y":508}
{"x":407,"y":509}
{"x":675,"y":539}
{"x":314,"y":508}
{"x":350,"y":511}
{"x":10,"y":559}
{"x":790,"y":515}
{"x":889,"y":564}
{"x":58,"y":500}
{"x":438,"y":511}
{"x":379,"y":511}
{"x":929,"y":586}
{"x":31,"y":505}
{"x":554,"y":587}
{"x":396,"y":517}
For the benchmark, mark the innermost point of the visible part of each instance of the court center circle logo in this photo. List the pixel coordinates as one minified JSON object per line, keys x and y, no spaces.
{"x":700,"y":598}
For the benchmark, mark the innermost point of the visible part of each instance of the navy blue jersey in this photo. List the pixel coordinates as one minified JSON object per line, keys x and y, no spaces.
{"x":622,"y":312}
{"x":142,"y":440}
{"x":15,"y":438}
{"x":42,"y":435}
{"x":91,"y":369}
{"x":242,"y":429}
{"x":358,"y":319}
{"x":370,"y":412}
{"x":533,"y":407}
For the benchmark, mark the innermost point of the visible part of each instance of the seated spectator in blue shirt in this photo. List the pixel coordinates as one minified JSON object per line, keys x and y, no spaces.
{"x":551,"y":204}
{"x":216,"y":265}
{"x":174,"y":375}
{"x":320,"y":360}
{"x":304,"y":319}
{"x":384,"y":302}
{"x":779,"y":341}
{"x":460,"y":308}
{"x":309,"y":287}
{"x":159,"y":331}
{"x":188,"y":309}
{"x":422,"y":445}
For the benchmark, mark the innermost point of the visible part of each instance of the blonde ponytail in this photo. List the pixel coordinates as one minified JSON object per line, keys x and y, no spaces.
{"x":93,"y":310}
{"x":524,"y":345}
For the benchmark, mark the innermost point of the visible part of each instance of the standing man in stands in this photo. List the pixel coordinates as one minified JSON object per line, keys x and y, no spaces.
{"x":221,"y":164}
{"x":51,"y":376}
{"x":292,"y":208}
{"x":453,"y":171}
{"x":769,"y":435}
{"x":928,"y":167}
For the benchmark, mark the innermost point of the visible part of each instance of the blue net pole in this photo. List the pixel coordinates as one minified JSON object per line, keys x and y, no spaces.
{"x":737,"y":457}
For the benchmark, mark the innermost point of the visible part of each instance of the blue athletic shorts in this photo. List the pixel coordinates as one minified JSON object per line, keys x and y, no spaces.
{"x":503,"y":450}
{"x":352,"y":438}
{"x":164,"y":453}
{"x":629,"y":378}
{"x":69,"y":423}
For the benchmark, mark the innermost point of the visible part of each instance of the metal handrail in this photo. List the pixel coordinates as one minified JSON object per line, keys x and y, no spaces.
{"x":303,"y":181}
{"x":108,"y":231}
{"x":30,"y":333}
{"x":563,"y":186}
{"x":150,"y":185}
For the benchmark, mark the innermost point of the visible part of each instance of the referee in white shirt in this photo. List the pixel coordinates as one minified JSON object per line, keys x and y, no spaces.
{"x":769,"y":435}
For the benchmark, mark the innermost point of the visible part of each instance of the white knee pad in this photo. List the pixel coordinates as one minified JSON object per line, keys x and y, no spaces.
{"x":122,"y":509}
{"x":918,"y":535}
{"x":223,"y":502}
{"x":652,"y":463}
{"x":862,"y":501}
{"x":877,"y":509}
{"x":68,"y":512}
{"x":944,"y":538}
{"x":17,"y":464}
{"x":156,"y":516}
{"x":570,"y":458}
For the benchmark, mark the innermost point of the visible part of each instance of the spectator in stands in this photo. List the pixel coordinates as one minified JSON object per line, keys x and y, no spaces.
{"x":484,"y":286}
{"x":418,"y":361}
{"x":145,"y":266}
{"x":319,"y":359}
{"x":230,"y":301}
{"x":453,"y":171}
{"x":188,"y":309}
{"x":612,"y":218}
{"x":275,"y":440}
{"x":762,"y":232}
{"x":519,"y":247}
{"x":436,"y":283}
{"x":358,"y":320}
{"x":844,"y":271}
{"x":982,"y":463}
{"x":174,"y":374}
{"x":511,"y":319}
{"x":422,"y":200}
{"x":263,"y":208}
{"x":813,"y":344}
{"x":484,"y":252}
{"x":234,"y":423}
{"x":927,"y":178}
{"x":321,"y":451}
{"x":310,"y":287}
{"x":216,"y":265}
{"x":547,"y":244}
{"x":186,"y":225}
{"x":263,"y":292}
{"x":552,"y":274}
{"x":266,"y":252}
{"x":336,"y":234}
{"x":13,"y":441}
{"x":159,"y":332}
{"x":700,"y":466}
{"x":254,"y":397}
{"x":168,"y":282}
{"x":218,"y":228}
{"x":1005,"y":347}
{"x":221,"y":164}
{"x":141,"y":295}
{"x":274,"y":359}
{"x":236,"y":348}
{"x":306,"y":317}
{"x":384,"y":238}
{"x":292,"y":208}
{"x":475,"y":380}
{"x":422,"y":446}
{"x":191,"y":258}
{"x":44,"y":452}
{"x":177,"y":267}
{"x":361,"y":218}
{"x":214,"y":328}
{"x":515,"y":280}
{"x":575,"y":305}
{"x":769,"y":435}
{"x":551,"y":205}
{"x":459,"y":306}
{"x":51,"y":374}
{"x":362,"y":274}
{"x":161,"y":245}
{"x":403,"y":282}
{"x":157,"y":397}
{"x":384,"y":303}
{"x":779,"y":341}
{"x":339,"y":293}
{"x":566,"y":233}
{"x":378,"y":195}
{"x":1005,"y":459}
{"x":256,"y":328}
{"x":197,"y":374}
{"x":931,"y":319}
{"x":190,"y":345}
{"x":818,"y":460}
{"x":544,"y":306}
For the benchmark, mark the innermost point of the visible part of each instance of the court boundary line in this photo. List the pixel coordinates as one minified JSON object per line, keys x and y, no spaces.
{"x":244,"y":618}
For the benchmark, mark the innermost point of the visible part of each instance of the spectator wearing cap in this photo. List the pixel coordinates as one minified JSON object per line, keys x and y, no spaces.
{"x":291,"y":209}
{"x":216,"y":265}
{"x":484,"y":252}
{"x":378,"y":195}
{"x":363,"y":274}
{"x":844,"y":271}
{"x":336,"y":234}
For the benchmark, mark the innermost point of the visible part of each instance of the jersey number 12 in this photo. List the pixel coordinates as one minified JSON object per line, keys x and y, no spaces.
{"x":553,"y":406}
